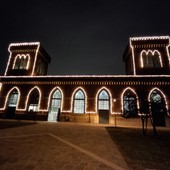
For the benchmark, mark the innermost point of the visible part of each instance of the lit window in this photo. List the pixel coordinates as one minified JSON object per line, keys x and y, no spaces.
{"x":13,"y":99}
{"x":55,"y":101}
{"x":129,"y":105}
{"x":33,"y":102}
{"x":21,"y":62}
{"x":151,"y":59}
{"x":79,"y":102}
{"x":103,"y":100}
{"x":155,"y":97}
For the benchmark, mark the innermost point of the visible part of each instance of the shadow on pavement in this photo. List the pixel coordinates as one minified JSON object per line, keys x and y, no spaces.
{"x":4,"y":124}
{"x":142,"y":151}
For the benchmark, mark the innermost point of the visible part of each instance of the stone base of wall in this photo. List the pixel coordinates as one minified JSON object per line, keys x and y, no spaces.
{"x":115,"y":120}
{"x":82,"y":118}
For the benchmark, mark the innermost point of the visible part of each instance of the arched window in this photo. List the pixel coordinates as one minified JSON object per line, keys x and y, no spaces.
{"x":79,"y":102}
{"x":33,"y":101}
{"x":21,"y":61}
{"x":158,"y":107}
{"x":151,"y":59}
{"x":13,"y":99}
{"x":129,"y":104}
{"x":103,"y":100}
{"x":56,"y":101}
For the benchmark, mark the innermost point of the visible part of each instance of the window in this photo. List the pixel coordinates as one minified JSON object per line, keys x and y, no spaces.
{"x":40,"y":68}
{"x":21,"y":62}
{"x":79,"y":102}
{"x":155,"y":97}
{"x":33,"y":102}
{"x":13,"y":99}
{"x":55,"y":101}
{"x":129,"y":105}
{"x":151,"y":59}
{"x":103,"y":103}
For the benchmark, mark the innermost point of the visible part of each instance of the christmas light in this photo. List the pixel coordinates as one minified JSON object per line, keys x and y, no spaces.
{"x":7,"y":97}
{"x":22,"y":44}
{"x":97,"y":97}
{"x":50,"y":97}
{"x":27,"y":99}
{"x":153,"y":52}
{"x":133,"y":91}
{"x":164,"y":97}
{"x":25,"y":56}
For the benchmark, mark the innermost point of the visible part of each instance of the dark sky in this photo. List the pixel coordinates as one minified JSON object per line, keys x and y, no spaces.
{"x":81,"y":36}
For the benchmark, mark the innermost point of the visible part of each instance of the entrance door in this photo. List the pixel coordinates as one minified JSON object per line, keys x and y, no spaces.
{"x":104,"y":116}
{"x":53,"y":116}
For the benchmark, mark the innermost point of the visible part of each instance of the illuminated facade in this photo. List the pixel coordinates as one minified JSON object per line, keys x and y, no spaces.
{"x":27,"y":92}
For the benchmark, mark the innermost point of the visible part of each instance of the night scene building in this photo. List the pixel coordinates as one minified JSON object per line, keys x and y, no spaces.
{"x":27,"y":92}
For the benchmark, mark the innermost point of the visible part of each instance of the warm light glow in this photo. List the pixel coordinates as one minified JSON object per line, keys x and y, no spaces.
{"x":164,"y":97}
{"x":8,"y":95}
{"x":153,"y":53}
{"x":133,"y":91}
{"x":50,"y":97}
{"x":97,"y":98}
{"x":27,"y":99}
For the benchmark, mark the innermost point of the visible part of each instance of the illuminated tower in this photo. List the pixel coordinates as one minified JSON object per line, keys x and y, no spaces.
{"x":27,"y":59}
{"x":147,"y":56}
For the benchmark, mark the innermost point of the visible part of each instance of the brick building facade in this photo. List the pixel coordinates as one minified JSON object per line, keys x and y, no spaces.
{"x":27,"y":92}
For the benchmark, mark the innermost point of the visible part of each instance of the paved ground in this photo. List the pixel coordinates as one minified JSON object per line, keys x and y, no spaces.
{"x":58,"y":146}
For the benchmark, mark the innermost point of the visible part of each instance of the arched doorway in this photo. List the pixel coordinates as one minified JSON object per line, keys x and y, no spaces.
{"x":104,"y":107}
{"x":129,"y":104}
{"x":55,"y":106}
{"x":158,"y":107}
{"x":12,"y":104}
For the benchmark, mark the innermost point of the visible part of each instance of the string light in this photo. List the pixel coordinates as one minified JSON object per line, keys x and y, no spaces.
{"x":25,"y":56}
{"x":133,"y":91}
{"x":153,"y":53}
{"x":22,"y":44}
{"x":49,"y":98}
{"x":110,"y":97}
{"x":149,"y":38}
{"x":145,"y":39}
{"x":156,"y":89}
{"x":7,"y":97}
{"x":28,"y":96}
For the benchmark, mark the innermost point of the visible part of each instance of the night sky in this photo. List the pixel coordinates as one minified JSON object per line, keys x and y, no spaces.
{"x":81,"y":36}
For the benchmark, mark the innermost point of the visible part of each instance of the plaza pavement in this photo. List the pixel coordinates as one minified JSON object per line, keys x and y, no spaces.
{"x":58,"y":146}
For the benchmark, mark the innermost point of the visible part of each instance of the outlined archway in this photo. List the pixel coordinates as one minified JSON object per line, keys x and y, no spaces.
{"x":158,"y":106}
{"x":33,"y":100}
{"x":150,"y":59}
{"x":130,"y":103}
{"x":55,"y":104}
{"x":104,"y":104}
{"x":11,"y":103}
{"x":79,"y":102}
